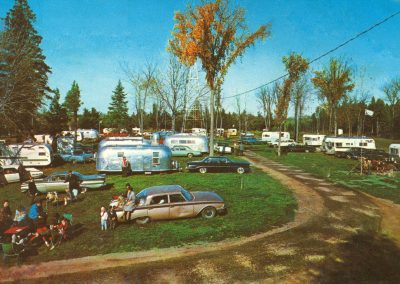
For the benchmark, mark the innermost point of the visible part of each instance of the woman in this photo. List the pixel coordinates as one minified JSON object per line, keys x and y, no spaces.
{"x":129,"y":202}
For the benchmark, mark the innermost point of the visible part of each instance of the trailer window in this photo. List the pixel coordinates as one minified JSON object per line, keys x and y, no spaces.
{"x":363,"y":144}
{"x":182,"y":141}
{"x":156,"y":158}
{"x":339,"y":145}
{"x":42,"y":154}
{"x":120,"y":154}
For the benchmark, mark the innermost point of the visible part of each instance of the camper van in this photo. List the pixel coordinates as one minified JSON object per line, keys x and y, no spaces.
{"x":89,"y":133}
{"x":196,"y":142}
{"x":313,"y":139}
{"x":232,"y":132}
{"x":199,"y":131}
{"x":32,"y":154}
{"x":330,"y":145}
{"x":271,"y":136}
{"x":394,"y":152}
{"x":123,"y":141}
{"x":143,"y":158}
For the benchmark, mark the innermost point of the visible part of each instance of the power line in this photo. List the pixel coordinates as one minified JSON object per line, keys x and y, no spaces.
{"x":321,"y":56}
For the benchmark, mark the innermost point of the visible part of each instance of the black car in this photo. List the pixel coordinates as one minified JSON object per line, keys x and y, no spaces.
{"x":218,"y":164}
{"x":370,"y":154}
{"x":298,"y":148}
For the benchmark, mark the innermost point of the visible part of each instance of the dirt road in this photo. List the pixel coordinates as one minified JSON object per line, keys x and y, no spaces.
{"x":336,"y":237}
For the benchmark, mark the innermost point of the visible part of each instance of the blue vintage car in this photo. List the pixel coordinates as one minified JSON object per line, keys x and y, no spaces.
{"x":184,"y":151}
{"x":77,"y":156}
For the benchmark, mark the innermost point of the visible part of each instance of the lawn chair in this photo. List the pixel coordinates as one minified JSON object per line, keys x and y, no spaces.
{"x":68,"y":216}
{"x":8,"y":251}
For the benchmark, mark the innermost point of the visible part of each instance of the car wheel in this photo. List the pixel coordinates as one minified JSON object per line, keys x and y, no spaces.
{"x":143,"y":220}
{"x":240,"y":170}
{"x":209,"y":212}
{"x":203,"y":170}
{"x":190,"y":155}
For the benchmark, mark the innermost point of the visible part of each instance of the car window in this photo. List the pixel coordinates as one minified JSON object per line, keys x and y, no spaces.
{"x":187,"y":195}
{"x":161,"y":199}
{"x":176,"y":198}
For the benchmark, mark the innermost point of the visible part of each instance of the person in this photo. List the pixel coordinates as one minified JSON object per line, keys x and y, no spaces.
{"x":126,"y":167}
{"x":3,"y":180}
{"x":20,"y":216}
{"x":129,"y":205}
{"x":36,"y":215}
{"x":241,"y":149}
{"x":32,"y":189}
{"x":7,"y":209}
{"x":113,"y":217}
{"x":5,"y":220}
{"x":73,"y":187}
{"x":24,"y":175}
{"x":103,"y":218}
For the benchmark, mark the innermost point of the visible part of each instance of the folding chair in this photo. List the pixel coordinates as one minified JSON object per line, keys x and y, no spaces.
{"x":8,"y":251}
{"x":68,"y":216}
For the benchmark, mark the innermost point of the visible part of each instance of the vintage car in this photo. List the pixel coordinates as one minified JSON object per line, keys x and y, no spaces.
{"x":77,"y":156}
{"x":12,"y":175}
{"x":56,"y":182}
{"x":222,"y":147}
{"x":184,"y":151}
{"x":172,"y":202}
{"x":218,"y":164}
{"x":369,"y":154}
{"x":296,"y":147}
{"x":284,"y":143}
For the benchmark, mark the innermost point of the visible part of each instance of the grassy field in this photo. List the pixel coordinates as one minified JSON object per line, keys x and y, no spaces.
{"x":254,"y":207}
{"x":338,"y":171}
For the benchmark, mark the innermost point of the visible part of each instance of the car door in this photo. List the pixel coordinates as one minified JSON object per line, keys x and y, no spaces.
{"x":179,"y":207}
{"x":158,"y":208}
{"x":11,"y":175}
{"x":55,"y":183}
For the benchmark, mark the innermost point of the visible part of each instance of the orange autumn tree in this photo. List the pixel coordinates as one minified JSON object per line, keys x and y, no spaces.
{"x":296,"y":66}
{"x":216,"y":34}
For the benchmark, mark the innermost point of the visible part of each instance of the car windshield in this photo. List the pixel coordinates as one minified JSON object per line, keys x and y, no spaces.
{"x":188,"y":196}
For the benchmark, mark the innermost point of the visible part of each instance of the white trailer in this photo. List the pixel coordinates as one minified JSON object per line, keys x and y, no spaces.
{"x":89,"y":133}
{"x":313,"y":139}
{"x":232,"y":132}
{"x":220,"y":132}
{"x":38,"y":155}
{"x":271,"y":136}
{"x":330,"y":145}
{"x":199,"y":131}
{"x":394,"y":152}
{"x":196,"y":142}
{"x":123,"y":141}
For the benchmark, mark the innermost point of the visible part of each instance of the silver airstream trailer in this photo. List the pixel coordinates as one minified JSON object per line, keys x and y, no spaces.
{"x":144,"y":158}
{"x":123,"y":141}
{"x":196,"y":142}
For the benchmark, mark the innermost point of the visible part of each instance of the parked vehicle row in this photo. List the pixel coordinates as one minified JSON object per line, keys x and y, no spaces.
{"x":370,"y":154}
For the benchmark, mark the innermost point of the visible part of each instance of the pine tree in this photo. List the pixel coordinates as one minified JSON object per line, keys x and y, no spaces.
{"x":72,"y":103}
{"x":117,"y":115}
{"x":56,"y":117}
{"x":23,"y":71}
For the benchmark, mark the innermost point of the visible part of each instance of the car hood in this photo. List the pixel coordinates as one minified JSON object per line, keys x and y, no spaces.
{"x":206,"y":196}
{"x":92,"y":177}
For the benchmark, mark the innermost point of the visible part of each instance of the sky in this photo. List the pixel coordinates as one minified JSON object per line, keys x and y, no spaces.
{"x":89,"y":40}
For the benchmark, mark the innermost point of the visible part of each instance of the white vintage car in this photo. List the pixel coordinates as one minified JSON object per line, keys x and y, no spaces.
{"x":12,"y":175}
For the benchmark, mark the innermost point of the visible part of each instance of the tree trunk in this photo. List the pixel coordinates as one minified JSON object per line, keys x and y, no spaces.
{"x":212,"y":102}
{"x":335,"y":121}
{"x":279,"y":140}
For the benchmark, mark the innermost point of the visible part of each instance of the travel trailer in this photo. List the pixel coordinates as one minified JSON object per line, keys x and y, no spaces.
{"x":136,"y":131}
{"x":394,"y":152}
{"x":220,"y":132}
{"x":271,"y":136}
{"x":199,"y":131}
{"x":32,"y":154}
{"x":71,"y":133}
{"x":330,"y":145}
{"x":145,"y":158}
{"x":232,"y":132}
{"x":313,"y":139}
{"x":89,"y":134}
{"x":123,"y":141}
{"x":196,"y":142}
{"x":43,"y":138}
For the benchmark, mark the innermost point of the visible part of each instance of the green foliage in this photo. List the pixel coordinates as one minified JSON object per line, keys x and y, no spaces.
{"x":117,"y":115}
{"x":90,"y":119}
{"x":73,"y":102}
{"x":56,"y":117}
{"x":23,"y":71}
{"x":259,"y":205}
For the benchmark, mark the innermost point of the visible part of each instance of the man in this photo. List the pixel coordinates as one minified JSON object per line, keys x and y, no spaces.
{"x":23,"y":173}
{"x":74,"y":185}
{"x":126,"y":167}
{"x":3,"y":181}
{"x":36,"y":214}
{"x":32,"y":190}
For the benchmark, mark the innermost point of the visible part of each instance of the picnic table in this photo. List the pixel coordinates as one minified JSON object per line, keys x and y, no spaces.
{"x":15,"y":229}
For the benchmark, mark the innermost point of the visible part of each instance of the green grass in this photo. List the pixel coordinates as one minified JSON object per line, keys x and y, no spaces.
{"x":339,"y":171}
{"x":261,"y":203}
{"x":383,"y":143}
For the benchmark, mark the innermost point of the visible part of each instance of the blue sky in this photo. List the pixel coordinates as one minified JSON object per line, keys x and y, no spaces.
{"x":88,"y":40}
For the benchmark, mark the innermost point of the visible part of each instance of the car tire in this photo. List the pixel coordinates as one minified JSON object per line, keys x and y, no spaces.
{"x":209,"y":212}
{"x":143,"y":220}
{"x":203,"y":170}
{"x":240,"y":170}
{"x":190,"y":155}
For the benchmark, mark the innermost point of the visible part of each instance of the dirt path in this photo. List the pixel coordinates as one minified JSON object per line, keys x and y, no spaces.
{"x":335,"y":237}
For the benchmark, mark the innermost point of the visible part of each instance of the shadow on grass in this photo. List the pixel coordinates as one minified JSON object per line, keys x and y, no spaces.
{"x":365,"y":258}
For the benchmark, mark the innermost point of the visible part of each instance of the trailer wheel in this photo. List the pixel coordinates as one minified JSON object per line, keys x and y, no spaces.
{"x":190,"y":155}
{"x":203,"y":170}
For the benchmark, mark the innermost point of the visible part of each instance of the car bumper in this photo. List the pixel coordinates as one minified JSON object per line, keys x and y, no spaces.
{"x":222,"y":211}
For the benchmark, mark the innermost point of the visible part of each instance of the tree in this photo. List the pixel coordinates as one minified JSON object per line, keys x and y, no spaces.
{"x":172,"y":89}
{"x":23,"y":71}
{"x":90,"y":119}
{"x":117,"y":115}
{"x":296,"y":67}
{"x":299,"y":90}
{"x":392,"y":93}
{"x":216,"y":34}
{"x":266,"y":98}
{"x":56,"y":117}
{"x":72,"y":103}
{"x":333,"y":83}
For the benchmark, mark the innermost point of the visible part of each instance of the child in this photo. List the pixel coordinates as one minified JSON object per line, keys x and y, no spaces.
{"x":113,"y":217}
{"x":103,"y":218}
